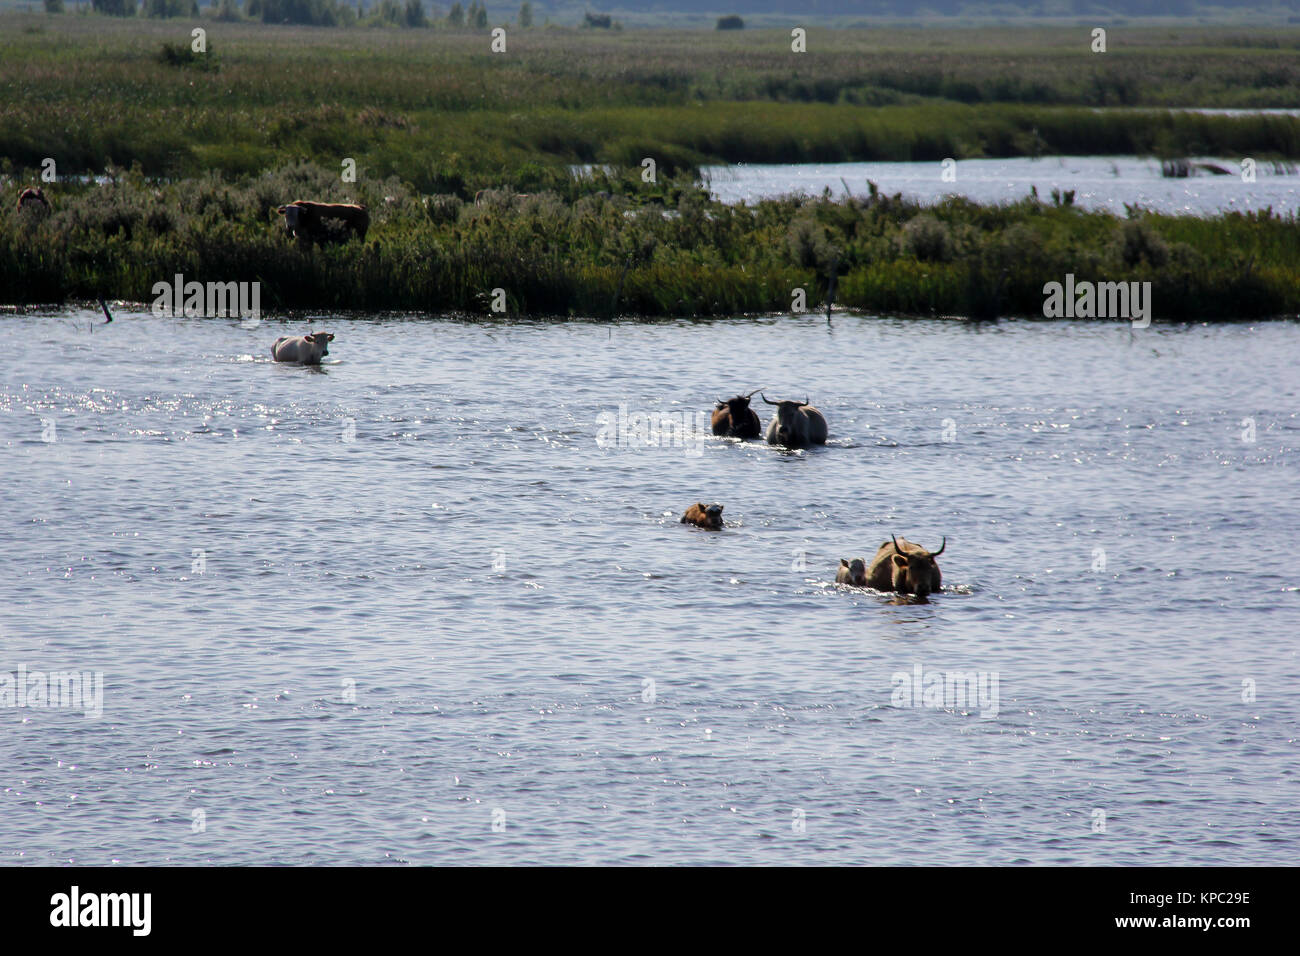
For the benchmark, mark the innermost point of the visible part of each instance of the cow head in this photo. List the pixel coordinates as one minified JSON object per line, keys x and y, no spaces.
{"x":914,"y":571}
{"x":712,"y":514}
{"x":857,"y":571}
{"x":320,"y":342}
{"x":291,"y":213}
{"x":791,"y":423}
{"x":738,"y":407}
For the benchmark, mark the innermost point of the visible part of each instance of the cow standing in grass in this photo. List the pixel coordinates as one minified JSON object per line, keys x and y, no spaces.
{"x":322,"y":222}
{"x":32,"y":199}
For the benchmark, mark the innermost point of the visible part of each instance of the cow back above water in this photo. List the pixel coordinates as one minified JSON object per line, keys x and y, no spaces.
{"x":906,"y":567}
{"x":322,"y":222}
{"x":795,"y":424}
{"x":303,"y":349}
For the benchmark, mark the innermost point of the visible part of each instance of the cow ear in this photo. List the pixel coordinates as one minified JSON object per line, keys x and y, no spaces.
{"x":843,"y":563}
{"x":281,"y":209}
{"x":329,"y":336}
{"x":900,"y":560}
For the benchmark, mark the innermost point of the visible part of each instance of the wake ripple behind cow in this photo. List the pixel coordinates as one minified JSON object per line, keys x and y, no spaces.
{"x":795,"y":424}
{"x":906,"y":567}
{"x":735,"y":419}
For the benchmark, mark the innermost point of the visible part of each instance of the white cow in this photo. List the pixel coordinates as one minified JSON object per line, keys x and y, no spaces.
{"x":303,"y":349}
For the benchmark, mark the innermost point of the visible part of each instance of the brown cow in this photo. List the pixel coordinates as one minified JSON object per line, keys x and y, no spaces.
{"x":852,"y":573}
{"x":306,"y":221}
{"x":734,"y":418}
{"x":905,"y":567}
{"x":704,"y":516}
{"x":33,"y":198}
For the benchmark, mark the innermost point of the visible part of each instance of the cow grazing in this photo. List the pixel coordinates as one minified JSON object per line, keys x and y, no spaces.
{"x":905,"y":567}
{"x":322,"y":222}
{"x":303,"y":349}
{"x":796,"y":425}
{"x":735,"y":419}
{"x":704,"y":516}
{"x":32,"y":198}
{"x":852,"y":573}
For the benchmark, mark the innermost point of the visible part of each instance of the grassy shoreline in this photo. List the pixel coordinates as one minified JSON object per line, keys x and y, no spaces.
{"x":202,"y":151}
{"x":665,"y":250}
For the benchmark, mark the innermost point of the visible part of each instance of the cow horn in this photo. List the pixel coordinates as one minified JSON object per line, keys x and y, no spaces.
{"x":765,"y":398}
{"x":935,"y":554}
{"x":895,"y":540}
{"x":752,"y":394}
{"x":805,"y":399}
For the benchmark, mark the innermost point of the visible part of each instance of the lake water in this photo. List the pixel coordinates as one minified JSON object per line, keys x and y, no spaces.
{"x":415,"y":607}
{"x":1099,"y":182}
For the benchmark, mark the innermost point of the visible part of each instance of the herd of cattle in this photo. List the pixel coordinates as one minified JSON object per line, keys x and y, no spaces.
{"x":901,"y":566}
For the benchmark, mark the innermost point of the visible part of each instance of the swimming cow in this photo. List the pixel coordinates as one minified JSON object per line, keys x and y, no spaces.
{"x":852,"y":573}
{"x":303,"y":349}
{"x":704,"y":516}
{"x":905,"y":567}
{"x":735,"y":419}
{"x":796,"y":425}
{"x":306,"y":221}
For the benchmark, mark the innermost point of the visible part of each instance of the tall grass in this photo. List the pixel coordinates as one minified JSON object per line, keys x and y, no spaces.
{"x":440,"y":110}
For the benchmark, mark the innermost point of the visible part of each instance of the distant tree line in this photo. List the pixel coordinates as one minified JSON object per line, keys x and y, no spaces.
{"x":320,"y":13}
{"x":419,"y":13}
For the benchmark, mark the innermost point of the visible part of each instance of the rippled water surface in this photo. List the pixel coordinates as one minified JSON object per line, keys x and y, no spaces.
{"x":1098,"y":182}
{"x":359,"y":614}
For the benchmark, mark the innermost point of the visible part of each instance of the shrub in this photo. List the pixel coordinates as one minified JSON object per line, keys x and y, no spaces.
{"x":928,"y":239}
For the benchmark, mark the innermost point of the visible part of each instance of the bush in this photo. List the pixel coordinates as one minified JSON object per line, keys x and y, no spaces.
{"x":731,"y":22}
{"x":182,"y":55}
{"x":1137,"y":242}
{"x":928,"y":239}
